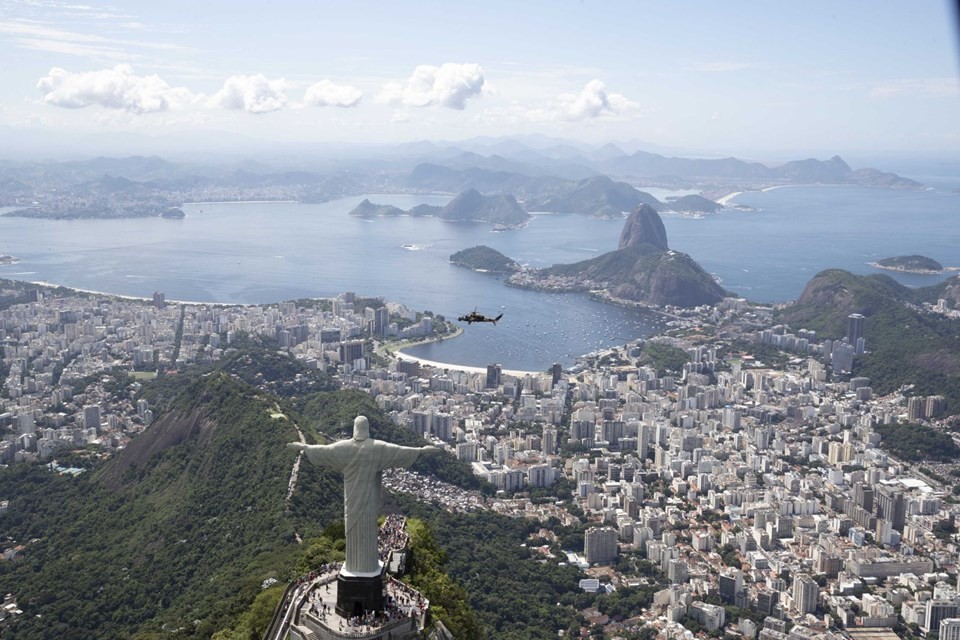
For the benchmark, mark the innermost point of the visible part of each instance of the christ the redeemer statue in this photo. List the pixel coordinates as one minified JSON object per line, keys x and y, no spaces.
{"x":362,"y":461}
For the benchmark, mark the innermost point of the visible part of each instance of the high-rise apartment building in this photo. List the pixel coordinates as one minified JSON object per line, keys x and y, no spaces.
{"x":493,"y":376}
{"x":805,"y":593}
{"x":600,"y":545}
{"x":854,"y":328}
{"x":950,"y":629}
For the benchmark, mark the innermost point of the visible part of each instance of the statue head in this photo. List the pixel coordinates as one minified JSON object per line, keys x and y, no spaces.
{"x":361,"y":428}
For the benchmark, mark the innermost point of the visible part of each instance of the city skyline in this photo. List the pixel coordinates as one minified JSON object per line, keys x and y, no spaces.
{"x":708,"y":79}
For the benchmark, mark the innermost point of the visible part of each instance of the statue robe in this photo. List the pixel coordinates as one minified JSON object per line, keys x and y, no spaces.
{"x":362,"y":463}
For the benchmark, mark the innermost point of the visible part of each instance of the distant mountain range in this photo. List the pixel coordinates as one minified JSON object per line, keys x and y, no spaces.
{"x":650,"y":165}
{"x":563,"y":178}
{"x":597,"y":196}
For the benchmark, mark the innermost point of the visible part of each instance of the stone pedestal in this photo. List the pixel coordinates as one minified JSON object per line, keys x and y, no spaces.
{"x":356,"y":595}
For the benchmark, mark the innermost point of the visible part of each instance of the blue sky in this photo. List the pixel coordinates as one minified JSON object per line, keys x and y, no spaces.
{"x":721,"y":77}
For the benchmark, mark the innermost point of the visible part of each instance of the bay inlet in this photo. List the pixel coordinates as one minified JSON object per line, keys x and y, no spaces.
{"x":265,"y":252}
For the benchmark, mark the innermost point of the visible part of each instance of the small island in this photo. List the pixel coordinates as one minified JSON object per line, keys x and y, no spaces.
{"x":909,"y":264}
{"x":4,"y":259}
{"x":174,"y":213}
{"x":484,"y":259}
{"x":367,"y":209}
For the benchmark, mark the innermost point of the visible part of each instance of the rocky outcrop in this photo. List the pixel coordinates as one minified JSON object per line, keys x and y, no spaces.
{"x":171,"y":430}
{"x":644,"y":226}
{"x":643,"y":269}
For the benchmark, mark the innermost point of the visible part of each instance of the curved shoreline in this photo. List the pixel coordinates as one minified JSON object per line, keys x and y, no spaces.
{"x":398,"y":353}
{"x":121,"y":296}
{"x":395,"y":353}
{"x":463,"y":367}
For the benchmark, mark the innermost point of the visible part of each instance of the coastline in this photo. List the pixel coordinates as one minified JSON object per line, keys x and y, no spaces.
{"x":723,"y":200}
{"x":727,"y":198}
{"x":394,"y":353}
{"x":44,"y":283}
{"x":469,"y":369}
{"x":398,"y":353}
{"x":239,"y":202}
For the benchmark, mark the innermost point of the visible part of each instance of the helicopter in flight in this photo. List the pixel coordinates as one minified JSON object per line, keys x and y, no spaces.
{"x":473,"y":316}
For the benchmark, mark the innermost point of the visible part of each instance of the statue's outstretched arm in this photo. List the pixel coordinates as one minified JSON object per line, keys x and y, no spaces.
{"x":395,"y":455}
{"x":324,"y":455}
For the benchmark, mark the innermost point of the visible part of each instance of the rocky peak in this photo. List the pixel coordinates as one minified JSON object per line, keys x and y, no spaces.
{"x":838,"y":163}
{"x":644,"y":226}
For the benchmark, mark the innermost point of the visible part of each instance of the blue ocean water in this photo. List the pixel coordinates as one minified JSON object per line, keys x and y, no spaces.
{"x":267,"y":252}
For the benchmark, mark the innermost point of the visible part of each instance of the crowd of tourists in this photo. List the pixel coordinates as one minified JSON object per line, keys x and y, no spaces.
{"x":393,"y":536}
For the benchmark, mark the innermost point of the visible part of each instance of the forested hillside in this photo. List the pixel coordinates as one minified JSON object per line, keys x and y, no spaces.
{"x":905,"y":344}
{"x":179,"y":530}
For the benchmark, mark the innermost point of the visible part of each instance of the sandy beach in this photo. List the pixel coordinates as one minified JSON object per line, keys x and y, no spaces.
{"x":462,"y":367}
{"x":397,"y":352}
{"x":727,"y":198}
{"x":43,"y":283}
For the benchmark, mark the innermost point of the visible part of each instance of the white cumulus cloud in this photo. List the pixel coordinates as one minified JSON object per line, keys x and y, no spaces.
{"x":449,"y":85}
{"x":328,"y":94}
{"x":116,"y":88}
{"x":593,"y":101}
{"x":254,"y":94}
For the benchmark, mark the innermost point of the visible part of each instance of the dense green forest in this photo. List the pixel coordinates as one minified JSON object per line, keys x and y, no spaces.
{"x":14,"y":292}
{"x":918,"y":443}
{"x":515,"y":595}
{"x":181,"y":539}
{"x":663,"y":357}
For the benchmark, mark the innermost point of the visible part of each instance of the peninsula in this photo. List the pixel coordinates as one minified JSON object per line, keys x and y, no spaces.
{"x":643,"y":269}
